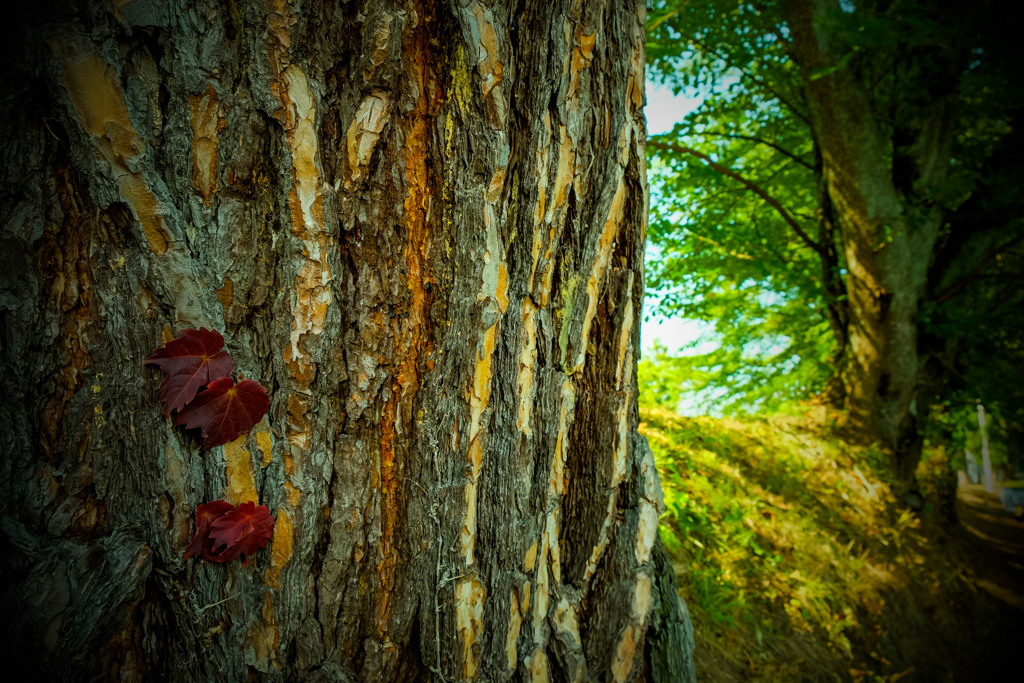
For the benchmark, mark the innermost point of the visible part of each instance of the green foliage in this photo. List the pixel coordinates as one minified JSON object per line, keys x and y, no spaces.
{"x":991,"y":366}
{"x":749,"y":370}
{"x":796,"y":562}
{"x":661,"y":378}
{"x":722,"y":253}
{"x":723,"y":256}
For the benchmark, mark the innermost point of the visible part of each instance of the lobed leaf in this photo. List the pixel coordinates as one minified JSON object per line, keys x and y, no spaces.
{"x":225,"y":410}
{"x":240,"y":532}
{"x":191,"y":361}
{"x":206,"y":514}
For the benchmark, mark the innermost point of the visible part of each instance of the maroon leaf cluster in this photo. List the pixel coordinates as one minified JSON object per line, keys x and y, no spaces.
{"x":199,"y":387}
{"x":225,"y":532}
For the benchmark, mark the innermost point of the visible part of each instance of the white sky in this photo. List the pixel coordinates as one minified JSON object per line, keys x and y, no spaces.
{"x":664,"y":110}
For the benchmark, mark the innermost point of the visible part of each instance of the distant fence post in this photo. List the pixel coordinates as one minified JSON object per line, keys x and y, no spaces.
{"x":986,"y":462}
{"x":971,"y":465}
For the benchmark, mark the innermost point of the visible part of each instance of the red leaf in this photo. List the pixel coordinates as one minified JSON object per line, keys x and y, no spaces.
{"x":242,"y":531}
{"x":225,"y":410}
{"x":205,"y":516}
{"x":191,"y":362}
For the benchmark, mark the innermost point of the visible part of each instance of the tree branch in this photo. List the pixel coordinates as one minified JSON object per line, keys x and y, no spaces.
{"x":736,"y":254}
{"x":761,"y":141}
{"x":759,"y":81}
{"x":658,"y":22}
{"x":672,"y":147}
{"x":776,"y":254}
{"x":975,"y":272}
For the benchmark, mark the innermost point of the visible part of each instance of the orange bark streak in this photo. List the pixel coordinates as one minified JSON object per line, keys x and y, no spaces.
{"x":409,"y":331}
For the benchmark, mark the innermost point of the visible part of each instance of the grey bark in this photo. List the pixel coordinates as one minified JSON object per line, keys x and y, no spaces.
{"x":421,"y":227}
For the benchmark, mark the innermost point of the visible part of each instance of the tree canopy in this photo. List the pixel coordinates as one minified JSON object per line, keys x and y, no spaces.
{"x":842,"y":206}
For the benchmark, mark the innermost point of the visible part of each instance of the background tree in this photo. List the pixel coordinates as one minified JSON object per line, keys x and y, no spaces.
{"x":420,"y":226}
{"x":848,"y":140}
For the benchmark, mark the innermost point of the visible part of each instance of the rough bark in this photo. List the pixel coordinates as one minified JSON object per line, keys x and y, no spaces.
{"x":836,"y":308}
{"x":419,"y":225}
{"x":888,"y":228}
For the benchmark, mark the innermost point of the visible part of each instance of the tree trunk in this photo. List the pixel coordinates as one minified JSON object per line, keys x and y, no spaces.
{"x":888,"y":225}
{"x":836,"y":308}
{"x":421,"y":227}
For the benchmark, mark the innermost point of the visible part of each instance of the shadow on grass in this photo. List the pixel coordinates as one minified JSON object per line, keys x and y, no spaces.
{"x":799,"y":566}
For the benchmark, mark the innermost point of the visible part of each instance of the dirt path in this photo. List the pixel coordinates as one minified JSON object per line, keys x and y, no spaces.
{"x":1002,"y":537}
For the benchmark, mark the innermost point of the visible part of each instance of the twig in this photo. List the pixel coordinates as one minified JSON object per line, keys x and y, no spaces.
{"x":751,"y":138}
{"x":869,"y":487}
{"x":759,"y":81}
{"x":195,"y":576}
{"x":976,"y":271}
{"x":753,"y":187}
{"x":47,"y":124}
{"x":449,"y":579}
{"x":230,"y":597}
{"x":659,"y":22}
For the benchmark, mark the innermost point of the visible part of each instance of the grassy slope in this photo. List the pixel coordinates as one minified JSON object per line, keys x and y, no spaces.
{"x":798,"y":566}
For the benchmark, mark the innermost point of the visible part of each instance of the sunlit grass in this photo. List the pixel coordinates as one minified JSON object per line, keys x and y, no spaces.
{"x":793,"y":556}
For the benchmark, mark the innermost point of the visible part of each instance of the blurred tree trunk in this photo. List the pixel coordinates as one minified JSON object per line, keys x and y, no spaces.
{"x":888,"y":221}
{"x":419,"y":225}
{"x":837,"y":310}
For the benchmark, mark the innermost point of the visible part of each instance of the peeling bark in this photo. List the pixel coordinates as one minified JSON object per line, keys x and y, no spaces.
{"x":421,"y":227}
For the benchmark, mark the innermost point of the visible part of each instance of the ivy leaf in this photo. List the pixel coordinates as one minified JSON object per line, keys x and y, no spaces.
{"x":205,"y":516}
{"x":191,"y":361}
{"x":240,"y":532}
{"x":225,"y":410}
